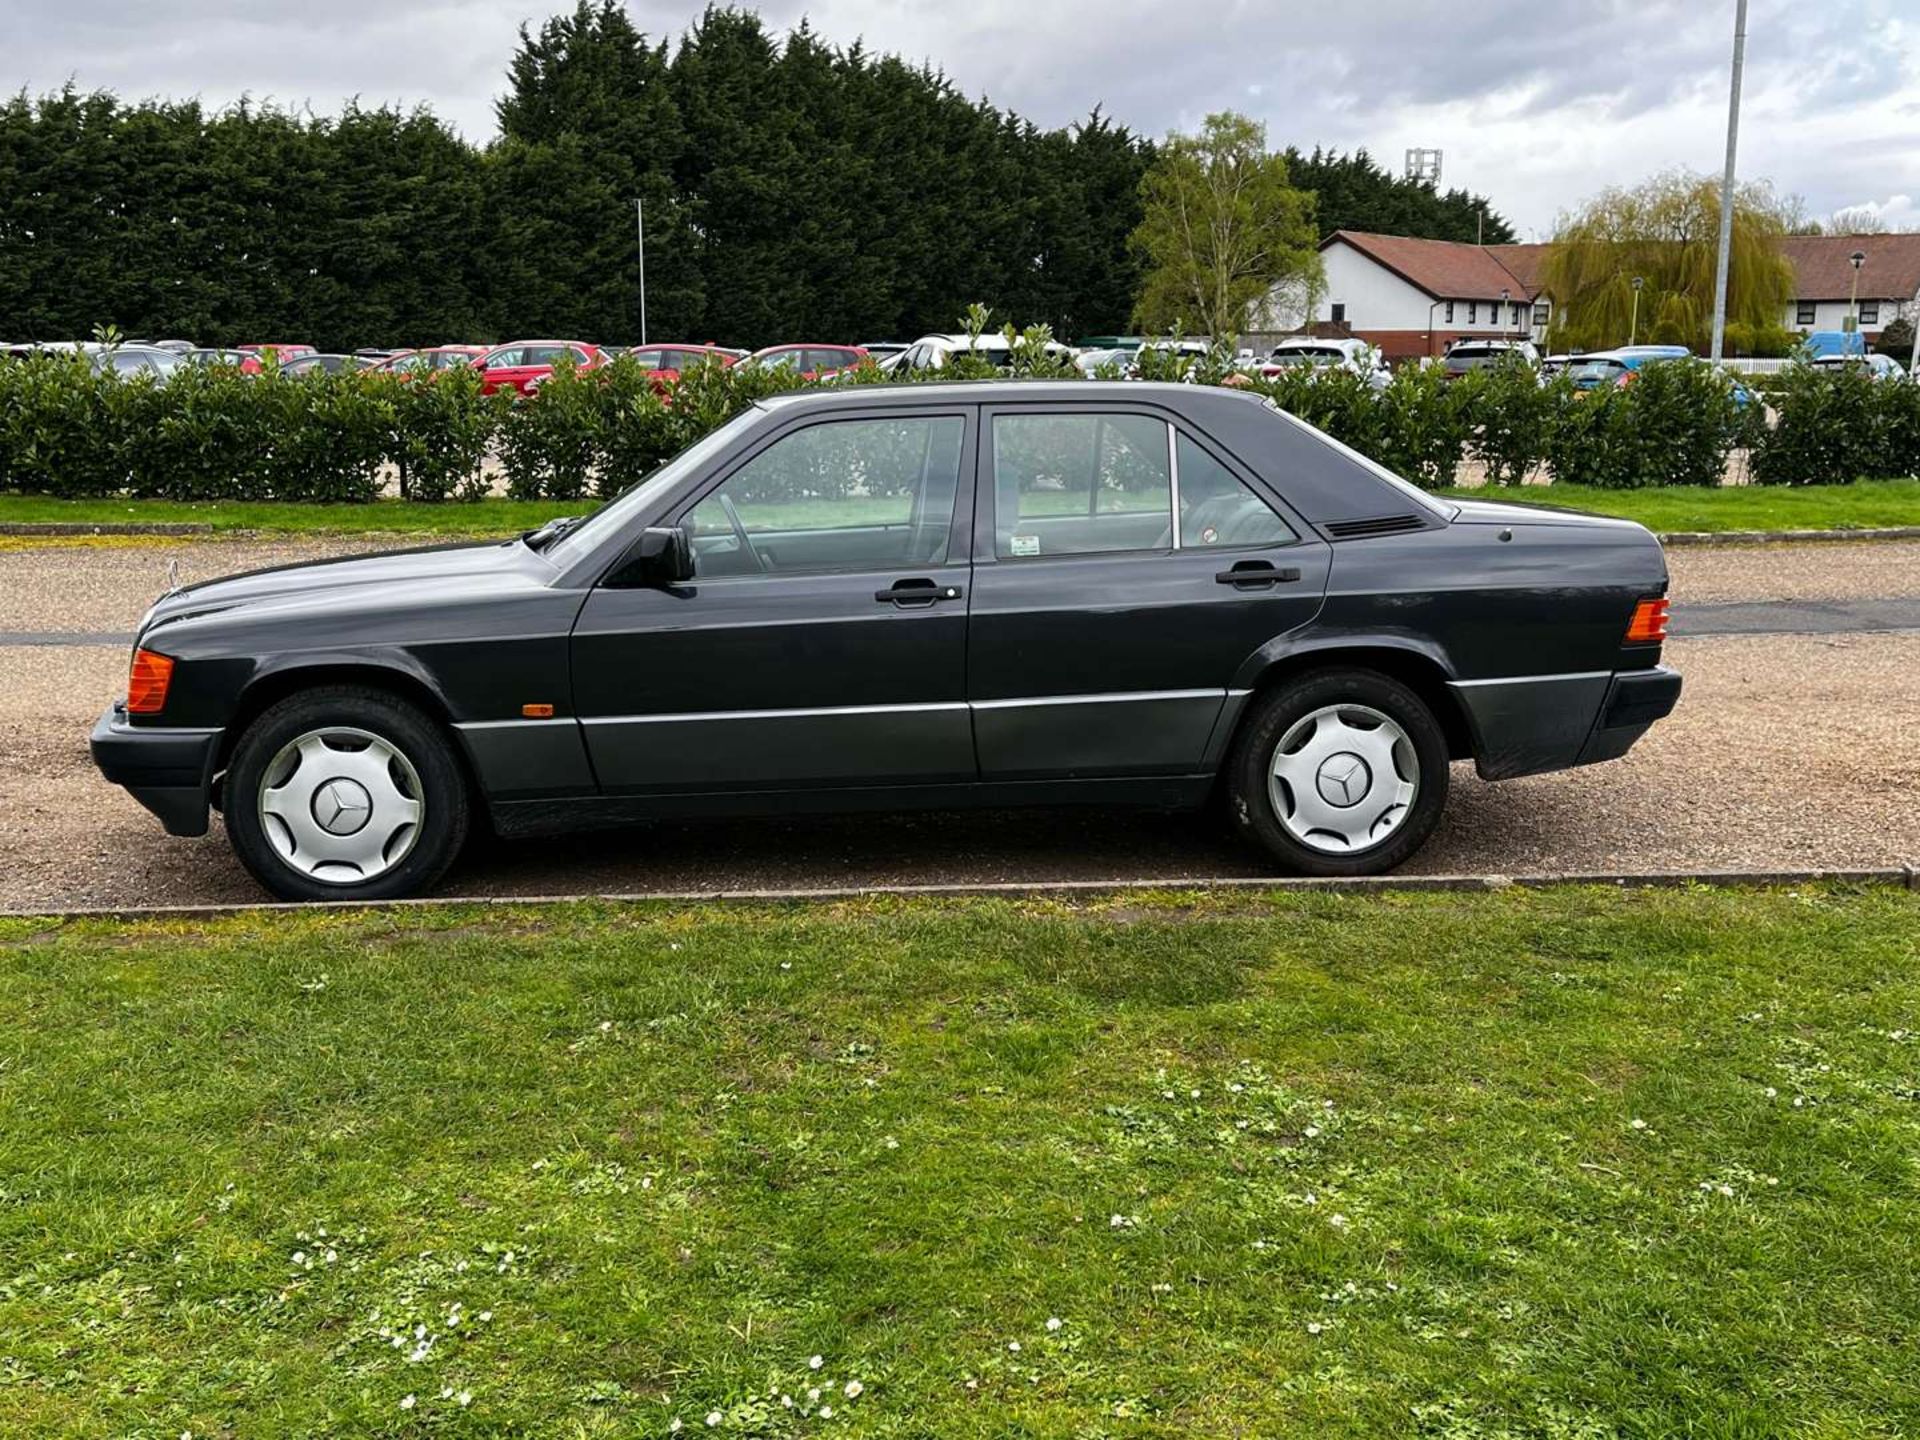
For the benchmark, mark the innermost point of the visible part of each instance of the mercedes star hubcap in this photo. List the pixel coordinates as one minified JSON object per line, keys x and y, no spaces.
{"x":1343,"y":778}
{"x":341,"y":805}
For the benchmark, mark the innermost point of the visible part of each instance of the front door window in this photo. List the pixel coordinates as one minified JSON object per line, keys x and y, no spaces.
{"x":846,"y":495}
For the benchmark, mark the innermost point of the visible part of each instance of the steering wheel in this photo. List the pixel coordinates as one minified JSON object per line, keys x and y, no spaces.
{"x":740,"y":531}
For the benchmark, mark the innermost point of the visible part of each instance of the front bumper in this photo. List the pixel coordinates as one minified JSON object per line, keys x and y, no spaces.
{"x":167,"y":769}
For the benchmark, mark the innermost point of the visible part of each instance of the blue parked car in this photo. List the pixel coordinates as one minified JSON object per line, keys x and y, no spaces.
{"x":1819,"y":344}
{"x":1611,"y":367}
{"x":1616,"y":367}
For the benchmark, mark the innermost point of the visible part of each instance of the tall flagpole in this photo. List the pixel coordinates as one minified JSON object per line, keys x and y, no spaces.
{"x":1726,"y":184}
{"x":640,"y":224}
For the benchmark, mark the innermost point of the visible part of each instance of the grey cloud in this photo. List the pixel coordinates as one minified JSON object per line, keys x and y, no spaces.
{"x":1499,"y":83}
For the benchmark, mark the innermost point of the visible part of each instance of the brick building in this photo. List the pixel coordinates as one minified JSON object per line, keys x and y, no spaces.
{"x":1414,"y":297}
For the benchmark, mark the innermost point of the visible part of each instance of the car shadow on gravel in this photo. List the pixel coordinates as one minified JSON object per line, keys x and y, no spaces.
{"x":812,"y":852}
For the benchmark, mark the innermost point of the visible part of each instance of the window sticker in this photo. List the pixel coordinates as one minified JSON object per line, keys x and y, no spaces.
{"x":1025,"y":544}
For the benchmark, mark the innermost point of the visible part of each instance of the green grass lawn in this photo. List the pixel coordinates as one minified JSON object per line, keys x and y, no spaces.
{"x":1531,"y":1164}
{"x":1865,"y":505}
{"x":1747,"y":507}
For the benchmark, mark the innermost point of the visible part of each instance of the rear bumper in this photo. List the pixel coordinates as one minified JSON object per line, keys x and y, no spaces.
{"x":167,"y":769}
{"x":1635,"y":700}
{"x":1533,"y":724}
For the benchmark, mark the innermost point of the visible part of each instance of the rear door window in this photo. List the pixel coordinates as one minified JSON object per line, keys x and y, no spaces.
{"x":1217,"y":509}
{"x":1080,"y":484}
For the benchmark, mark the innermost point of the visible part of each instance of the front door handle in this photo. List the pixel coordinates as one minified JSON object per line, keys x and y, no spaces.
{"x":1249,"y":574}
{"x":918,"y":593}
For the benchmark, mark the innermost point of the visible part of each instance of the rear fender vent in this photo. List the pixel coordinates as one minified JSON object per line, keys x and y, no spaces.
{"x":1373,"y":525}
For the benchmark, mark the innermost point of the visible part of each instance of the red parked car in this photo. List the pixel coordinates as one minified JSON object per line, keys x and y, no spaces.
{"x":525,"y":365}
{"x":666,"y":362}
{"x":808,"y":362}
{"x":407,"y":363}
{"x":254,"y":355}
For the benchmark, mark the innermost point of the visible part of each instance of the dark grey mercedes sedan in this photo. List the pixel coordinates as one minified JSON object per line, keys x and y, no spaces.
{"x":907,"y":597}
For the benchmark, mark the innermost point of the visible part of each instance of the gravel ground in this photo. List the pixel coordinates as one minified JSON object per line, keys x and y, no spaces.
{"x":98,"y":587}
{"x":1830,"y":570}
{"x":1787,"y":751}
{"x":108,"y":586}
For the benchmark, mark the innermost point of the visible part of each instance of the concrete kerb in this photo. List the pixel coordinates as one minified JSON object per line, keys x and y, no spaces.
{"x":142,"y":527}
{"x":1904,"y":876}
{"x":1787,"y":537}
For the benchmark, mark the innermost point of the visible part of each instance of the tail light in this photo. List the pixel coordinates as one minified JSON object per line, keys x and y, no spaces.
{"x":147,"y":682}
{"x":1649,"y":623}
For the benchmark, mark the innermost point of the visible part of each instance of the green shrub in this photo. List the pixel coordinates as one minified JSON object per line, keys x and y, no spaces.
{"x":1675,"y":423}
{"x":1828,"y":428}
{"x":1508,"y":413}
{"x":1339,"y":401}
{"x":549,"y":438}
{"x":211,"y":436}
{"x":67,"y":429}
{"x":58,"y":430}
{"x":1899,"y":432}
{"x":443,"y":427}
{"x":1423,"y":426}
{"x":635,"y":431}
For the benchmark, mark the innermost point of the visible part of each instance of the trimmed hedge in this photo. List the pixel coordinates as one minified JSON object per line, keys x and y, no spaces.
{"x":70,"y":431}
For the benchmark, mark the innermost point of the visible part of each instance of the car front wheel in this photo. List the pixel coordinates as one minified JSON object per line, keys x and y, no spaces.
{"x":345,"y":793}
{"x":1341,"y":772}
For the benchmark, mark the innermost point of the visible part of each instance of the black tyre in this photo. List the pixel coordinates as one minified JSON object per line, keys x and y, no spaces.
{"x":1340,"y":772}
{"x":345,"y":793}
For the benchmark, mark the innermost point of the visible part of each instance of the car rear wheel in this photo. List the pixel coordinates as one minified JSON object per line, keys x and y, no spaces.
{"x":1341,"y":772}
{"x":345,"y":793}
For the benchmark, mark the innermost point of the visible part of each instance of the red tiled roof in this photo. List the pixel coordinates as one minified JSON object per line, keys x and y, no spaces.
{"x":1891,"y":271}
{"x":1523,"y":262}
{"x":1452,"y":270}
{"x":1445,"y":269}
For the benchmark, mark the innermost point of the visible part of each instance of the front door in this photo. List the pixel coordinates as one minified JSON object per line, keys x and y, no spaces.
{"x":822,"y":640}
{"x":1126,"y":569}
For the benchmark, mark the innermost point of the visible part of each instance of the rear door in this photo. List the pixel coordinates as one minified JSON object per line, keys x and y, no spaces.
{"x":822,"y":641}
{"x":1126,"y":567}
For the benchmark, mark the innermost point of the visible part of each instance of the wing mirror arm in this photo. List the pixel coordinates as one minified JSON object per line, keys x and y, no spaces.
{"x":662,"y":557}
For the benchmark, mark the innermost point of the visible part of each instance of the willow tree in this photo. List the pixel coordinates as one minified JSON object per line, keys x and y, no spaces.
{"x":1222,"y":229}
{"x":1665,"y":233}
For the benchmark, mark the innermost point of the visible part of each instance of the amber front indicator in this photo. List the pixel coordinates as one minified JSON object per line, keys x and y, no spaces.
{"x":1649,"y":623}
{"x":147,"y":683}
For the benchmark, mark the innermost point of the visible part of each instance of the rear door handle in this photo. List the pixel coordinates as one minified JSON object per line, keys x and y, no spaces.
{"x":1249,"y":574}
{"x":917,"y":593}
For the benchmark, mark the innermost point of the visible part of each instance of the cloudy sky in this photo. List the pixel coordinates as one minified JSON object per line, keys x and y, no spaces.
{"x":1535,"y":102}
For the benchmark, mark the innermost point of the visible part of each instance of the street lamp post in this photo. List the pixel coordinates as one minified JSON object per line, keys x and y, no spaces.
{"x":1724,"y":254}
{"x":1633,"y":327}
{"x":1856,"y":259}
{"x":640,"y":229}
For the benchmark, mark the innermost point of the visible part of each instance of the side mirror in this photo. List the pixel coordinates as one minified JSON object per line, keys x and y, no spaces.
{"x":663,"y":555}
